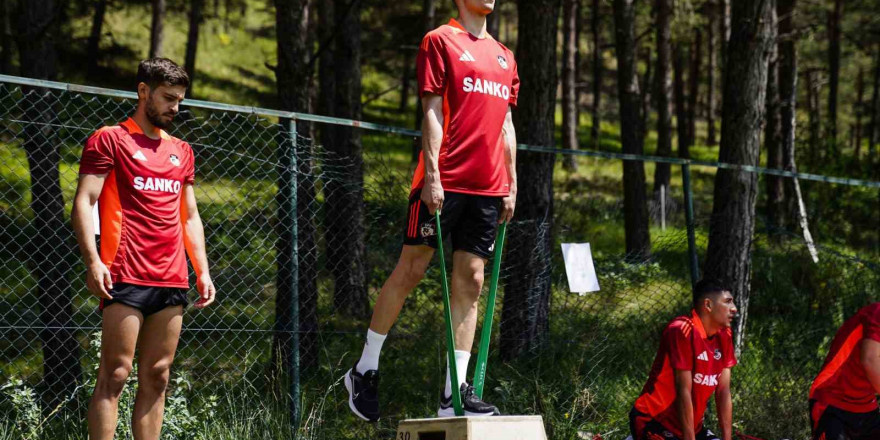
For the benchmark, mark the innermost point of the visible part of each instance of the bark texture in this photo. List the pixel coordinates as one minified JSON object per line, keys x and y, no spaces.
{"x":638,"y":239}
{"x":663,"y":93}
{"x":52,"y":247}
{"x":733,"y":211}
{"x":527,"y":278}
{"x":157,"y":28}
{"x":293,"y":78}
{"x":569,"y":79}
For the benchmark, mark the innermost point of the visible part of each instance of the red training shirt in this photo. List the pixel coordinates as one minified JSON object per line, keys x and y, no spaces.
{"x":684,"y":346}
{"x":140,"y":204}
{"x":842,"y":382}
{"x":477,"y":79}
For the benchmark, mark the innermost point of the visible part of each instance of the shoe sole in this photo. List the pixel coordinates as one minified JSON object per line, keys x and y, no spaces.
{"x":450,"y":412}
{"x":348,"y":386}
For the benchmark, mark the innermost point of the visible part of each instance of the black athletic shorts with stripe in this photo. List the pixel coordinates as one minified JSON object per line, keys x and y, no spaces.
{"x":470,"y":221}
{"x":147,"y":299}
{"x":832,"y":423}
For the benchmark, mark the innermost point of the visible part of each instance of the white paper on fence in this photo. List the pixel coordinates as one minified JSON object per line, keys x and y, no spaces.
{"x":96,"y":219}
{"x":579,"y":268}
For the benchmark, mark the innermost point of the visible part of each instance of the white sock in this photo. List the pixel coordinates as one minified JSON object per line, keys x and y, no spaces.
{"x":370,"y":356}
{"x":461,"y":364}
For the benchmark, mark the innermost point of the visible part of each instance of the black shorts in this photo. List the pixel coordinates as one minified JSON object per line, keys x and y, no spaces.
{"x":469,"y":220}
{"x":832,"y":423}
{"x":147,"y":299}
{"x":643,"y":427}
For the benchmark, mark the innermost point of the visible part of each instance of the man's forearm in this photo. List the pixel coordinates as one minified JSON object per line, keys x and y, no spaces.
{"x":432,"y":138}
{"x":195,"y":244}
{"x":685,"y":413}
{"x":84,"y":228}
{"x":724,"y":405}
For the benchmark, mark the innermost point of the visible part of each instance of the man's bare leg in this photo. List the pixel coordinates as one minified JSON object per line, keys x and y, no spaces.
{"x":157,"y":345}
{"x":120,"y":327}
{"x":467,"y":282}
{"x":406,"y":275}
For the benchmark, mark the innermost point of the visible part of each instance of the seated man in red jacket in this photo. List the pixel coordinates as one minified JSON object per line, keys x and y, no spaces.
{"x":843,"y":398}
{"x":692,"y":364}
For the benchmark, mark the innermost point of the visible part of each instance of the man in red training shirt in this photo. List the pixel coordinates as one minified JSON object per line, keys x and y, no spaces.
{"x":468,"y":83}
{"x":142,"y":179}
{"x":843,"y":398}
{"x":692,"y":364}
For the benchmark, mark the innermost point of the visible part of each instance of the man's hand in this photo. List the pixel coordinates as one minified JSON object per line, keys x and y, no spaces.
{"x":508,"y":204}
{"x":432,"y":195}
{"x":206,"y":290}
{"x":98,"y":280}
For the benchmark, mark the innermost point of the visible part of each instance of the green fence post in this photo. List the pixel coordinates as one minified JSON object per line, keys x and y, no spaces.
{"x":693,"y":261}
{"x":290,"y":230}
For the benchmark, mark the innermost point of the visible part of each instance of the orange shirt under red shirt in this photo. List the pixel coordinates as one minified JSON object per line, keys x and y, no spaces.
{"x":685,"y":346}
{"x":478,"y":81}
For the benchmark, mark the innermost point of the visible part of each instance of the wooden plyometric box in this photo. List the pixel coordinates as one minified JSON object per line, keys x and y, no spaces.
{"x":473,"y":428}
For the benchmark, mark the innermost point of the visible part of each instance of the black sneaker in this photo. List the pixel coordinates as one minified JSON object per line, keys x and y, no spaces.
{"x":363,"y":393}
{"x":471,"y":404}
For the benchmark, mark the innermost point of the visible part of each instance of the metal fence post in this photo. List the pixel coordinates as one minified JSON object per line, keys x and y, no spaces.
{"x":291,"y":153}
{"x":693,"y":261}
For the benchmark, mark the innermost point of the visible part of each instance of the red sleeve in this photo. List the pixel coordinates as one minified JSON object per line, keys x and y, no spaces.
{"x":514,"y":84}
{"x":98,"y":154}
{"x":871,"y":324}
{"x":681,"y":350}
{"x":431,"y":65}
{"x":727,"y":346}
{"x":190,"y":167}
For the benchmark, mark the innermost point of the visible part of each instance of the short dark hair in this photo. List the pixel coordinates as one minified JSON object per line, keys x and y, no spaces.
{"x":157,"y":71}
{"x":707,"y":287}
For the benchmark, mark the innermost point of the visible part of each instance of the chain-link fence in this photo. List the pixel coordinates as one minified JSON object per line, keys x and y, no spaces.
{"x":580,"y":361}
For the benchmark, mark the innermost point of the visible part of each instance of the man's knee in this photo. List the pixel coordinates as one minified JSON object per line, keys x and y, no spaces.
{"x":155,"y":377}
{"x":411,"y":268}
{"x":473,"y":283}
{"x":112,"y":379}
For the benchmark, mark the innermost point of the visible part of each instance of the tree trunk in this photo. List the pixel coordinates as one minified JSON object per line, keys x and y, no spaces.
{"x":711,"y":77}
{"x":52,"y":245}
{"x":293,"y":78}
{"x":428,"y":12}
{"x":874,"y":134}
{"x":525,"y":314}
{"x":663,"y":93}
{"x":346,"y":251}
{"x":595,"y":20}
{"x":569,"y":88}
{"x":635,"y":207}
{"x":733,"y":211}
{"x":725,"y":37}
{"x":773,"y":144}
{"x":326,"y":78}
{"x":493,"y":21}
{"x":814,"y":115}
{"x":192,"y":41}
{"x":694,"y":86}
{"x":645,"y":89}
{"x":157,"y":28}
{"x":787,"y":113}
{"x":678,"y":57}
{"x":93,"y":45}
{"x":860,"y":105}
{"x":834,"y":17}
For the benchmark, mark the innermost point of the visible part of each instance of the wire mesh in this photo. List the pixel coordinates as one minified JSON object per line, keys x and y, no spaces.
{"x":581,"y":364}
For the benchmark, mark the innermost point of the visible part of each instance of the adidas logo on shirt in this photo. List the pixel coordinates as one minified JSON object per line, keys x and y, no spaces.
{"x":703,"y":357}
{"x":139,"y":156}
{"x":466,"y":56}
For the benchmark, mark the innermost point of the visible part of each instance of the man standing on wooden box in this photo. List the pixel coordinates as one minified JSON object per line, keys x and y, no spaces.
{"x":468,"y":83}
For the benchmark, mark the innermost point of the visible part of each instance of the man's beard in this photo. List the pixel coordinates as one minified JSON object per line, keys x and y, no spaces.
{"x":155,"y":118}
